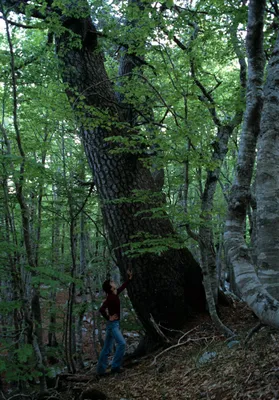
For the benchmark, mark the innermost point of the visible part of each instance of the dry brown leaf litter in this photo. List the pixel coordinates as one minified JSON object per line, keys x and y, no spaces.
{"x":243,"y":372}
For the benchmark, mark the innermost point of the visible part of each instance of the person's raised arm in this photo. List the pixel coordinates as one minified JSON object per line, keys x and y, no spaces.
{"x":125,"y":284}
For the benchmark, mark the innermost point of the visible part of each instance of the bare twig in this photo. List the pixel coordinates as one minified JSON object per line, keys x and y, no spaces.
{"x":174,"y":330}
{"x":183,"y":336}
{"x":178,"y":344}
{"x":158,"y":330}
{"x":2,"y":394}
{"x":253,"y":331}
{"x":20,"y":395}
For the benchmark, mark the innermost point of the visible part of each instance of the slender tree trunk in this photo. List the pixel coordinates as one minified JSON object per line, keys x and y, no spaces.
{"x":39,"y":204}
{"x":220,"y":148}
{"x":205,"y":238}
{"x":10,"y":237}
{"x":70,"y":349}
{"x":82,"y":294}
{"x":52,"y":340}
{"x":36,"y":333}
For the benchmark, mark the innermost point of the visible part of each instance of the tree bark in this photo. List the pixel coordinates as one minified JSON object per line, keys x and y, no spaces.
{"x":267,"y":181}
{"x":237,"y":252}
{"x":159,"y":278}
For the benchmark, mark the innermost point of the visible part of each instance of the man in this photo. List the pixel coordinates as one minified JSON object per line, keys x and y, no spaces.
{"x":110,"y":310}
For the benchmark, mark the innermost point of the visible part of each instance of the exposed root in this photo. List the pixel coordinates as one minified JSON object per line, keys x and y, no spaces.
{"x":253,"y":331}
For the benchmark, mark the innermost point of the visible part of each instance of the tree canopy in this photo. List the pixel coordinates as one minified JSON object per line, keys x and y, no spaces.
{"x":124,"y":126}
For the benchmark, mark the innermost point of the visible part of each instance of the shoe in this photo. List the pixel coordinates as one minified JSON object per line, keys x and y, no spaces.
{"x":117,"y":370}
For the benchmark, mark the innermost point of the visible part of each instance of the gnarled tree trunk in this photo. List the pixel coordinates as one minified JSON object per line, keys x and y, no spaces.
{"x":165,"y":285}
{"x":238,"y":254}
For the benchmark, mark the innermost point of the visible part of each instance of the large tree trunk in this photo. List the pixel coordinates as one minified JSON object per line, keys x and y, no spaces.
{"x":166,"y":281}
{"x":267,"y":182}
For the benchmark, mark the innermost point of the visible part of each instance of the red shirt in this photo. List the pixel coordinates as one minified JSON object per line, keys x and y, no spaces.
{"x":112,"y":303}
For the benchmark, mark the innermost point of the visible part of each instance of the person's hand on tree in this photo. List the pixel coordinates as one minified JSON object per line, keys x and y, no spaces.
{"x":130,"y":274}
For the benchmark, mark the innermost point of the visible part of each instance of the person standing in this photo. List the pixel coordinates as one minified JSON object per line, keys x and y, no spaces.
{"x":110,"y":310}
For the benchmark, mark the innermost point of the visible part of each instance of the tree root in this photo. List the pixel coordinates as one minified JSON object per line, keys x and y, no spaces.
{"x":253,"y":331}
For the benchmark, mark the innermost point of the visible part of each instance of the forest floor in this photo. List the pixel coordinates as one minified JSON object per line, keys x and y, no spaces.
{"x":202,"y":364}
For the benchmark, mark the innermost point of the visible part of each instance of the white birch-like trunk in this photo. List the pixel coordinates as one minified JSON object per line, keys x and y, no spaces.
{"x":267,"y":182}
{"x":237,"y":252}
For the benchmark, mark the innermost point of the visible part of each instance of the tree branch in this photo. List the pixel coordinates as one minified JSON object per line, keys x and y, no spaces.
{"x":206,"y":95}
{"x":20,"y":25}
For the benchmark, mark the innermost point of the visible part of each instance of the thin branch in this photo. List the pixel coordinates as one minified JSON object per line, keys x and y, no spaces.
{"x":164,"y":117}
{"x":178,"y":344}
{"x":179,"y":43}
{"x":215,"y":87}
{"x":20,"y":25}
{"x":14,"y":89}
{"x":98,"y":230}
{"x":20,"y":395}
{"x":223,"y":191}
{"x":2,"y":394}
{"x":188,"y":9}
{"x":254,"y":330}
{"x":206,"y":95}
{"x":191,"y":233}
{"x":85,"y":201}
{"x":158,"y":330}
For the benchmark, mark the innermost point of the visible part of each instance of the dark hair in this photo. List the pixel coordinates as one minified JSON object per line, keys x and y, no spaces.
{"x":107,"y":286}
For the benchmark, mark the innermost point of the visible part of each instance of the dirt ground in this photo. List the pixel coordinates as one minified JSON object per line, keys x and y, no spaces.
{"x":202,"y":364}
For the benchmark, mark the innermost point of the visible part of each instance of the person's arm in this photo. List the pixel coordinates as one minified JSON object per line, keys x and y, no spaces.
{"x":103,"y":310}
{"x":125,"y":284}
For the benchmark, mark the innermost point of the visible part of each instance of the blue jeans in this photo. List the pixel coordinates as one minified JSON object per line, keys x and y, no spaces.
{"x":113,"y":333}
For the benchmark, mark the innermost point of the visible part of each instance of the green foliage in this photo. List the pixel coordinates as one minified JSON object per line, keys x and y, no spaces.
{"x":185,"y":66}
{"x":24,"y":353}
{"x":20,"y":364}
{"x":143,"y":243}
{"x":7,"y":307}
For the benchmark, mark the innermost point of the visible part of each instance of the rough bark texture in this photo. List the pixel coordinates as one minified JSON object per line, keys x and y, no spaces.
{"x":158,"y":285}
{"x":267,"y":182}
{"x":237,"y":252}
{"x":164,"y":285}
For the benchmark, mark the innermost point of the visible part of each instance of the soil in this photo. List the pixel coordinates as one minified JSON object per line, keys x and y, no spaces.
{"x":202,"y":364}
